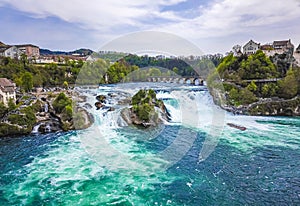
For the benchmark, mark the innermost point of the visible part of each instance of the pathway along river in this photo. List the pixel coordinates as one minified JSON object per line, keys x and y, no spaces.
{"x":122,"y":166}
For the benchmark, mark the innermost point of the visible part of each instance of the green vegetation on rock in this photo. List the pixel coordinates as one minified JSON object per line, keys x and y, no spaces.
{"x":63,"y":106}
{"x":143,"y":103}
{"x":234,"y":75}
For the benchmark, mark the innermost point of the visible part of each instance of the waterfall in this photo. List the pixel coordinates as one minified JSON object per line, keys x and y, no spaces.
{"x":46,"y":109}
{"x":48,"y":128}
{"x":172,"y":106}
{"x":35,"y":129}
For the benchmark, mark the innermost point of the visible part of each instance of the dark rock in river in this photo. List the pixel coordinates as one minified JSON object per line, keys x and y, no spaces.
{"x":101,"y":98}
{"x":98,"y":105}
{"x":87,"y":106}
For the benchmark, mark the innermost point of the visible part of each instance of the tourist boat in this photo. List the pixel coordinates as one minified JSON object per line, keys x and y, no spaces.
{"x":237,"y":126}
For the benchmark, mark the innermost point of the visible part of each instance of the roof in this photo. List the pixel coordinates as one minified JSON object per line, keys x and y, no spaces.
{"x":281,"y":43}
{"x":2,"y":44}
{"x":26,"y":45}
{"x":3,"y":48}
{"x":251,"y":41}
{"x":266,"y":47}
{"x":4,"y":82}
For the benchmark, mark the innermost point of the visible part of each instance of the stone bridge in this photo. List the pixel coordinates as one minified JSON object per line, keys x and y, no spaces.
{"x":179,"y":80}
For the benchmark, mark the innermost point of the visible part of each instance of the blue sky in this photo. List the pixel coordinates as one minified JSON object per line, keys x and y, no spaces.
{"x":213,"y":26}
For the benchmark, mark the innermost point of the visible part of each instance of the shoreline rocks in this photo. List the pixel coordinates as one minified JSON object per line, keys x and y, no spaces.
{"x":36,"y":114}
{"x":263,"y":107}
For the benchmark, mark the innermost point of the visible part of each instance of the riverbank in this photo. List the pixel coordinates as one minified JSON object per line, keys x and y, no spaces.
{"x":263,"y":107}
{"x":45,"y":112}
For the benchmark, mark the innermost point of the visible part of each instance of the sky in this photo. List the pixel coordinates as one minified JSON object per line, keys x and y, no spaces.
{"x":214,"y":26}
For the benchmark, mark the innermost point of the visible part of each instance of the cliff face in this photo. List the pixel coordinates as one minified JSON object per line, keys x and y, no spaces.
{"x":289,"y":107}
{"x":263,"y":107}
{"x":40,"y":114}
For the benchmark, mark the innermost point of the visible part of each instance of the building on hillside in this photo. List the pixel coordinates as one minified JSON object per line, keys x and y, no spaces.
{"x":297,"y":49}
{"x":7,"y":91}
{"x":297,"y":56}
{"x":268,"y":49}
{"x":9,"y":51}
{"x":30,"y":50}
{"x":284,"y":46}
{"x":2,"y":44}
{"x":251,"y":47}
{"x":237,"y":50}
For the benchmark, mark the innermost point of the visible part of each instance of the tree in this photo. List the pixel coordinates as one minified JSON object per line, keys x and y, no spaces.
{"x":288,"y":87}
{"x":233,"y":96}
{"x":247,"y":97}
{"x":27,"y":81}
{"x":11,"y":105}
{"x":257,"y":66}
{"x":3,"y":109}
{"x":60,"y":102}
{"x":24,"y":59}
{"x":252,"y":87}
{"x":175,"y":70}
{"x":66,"y":85}
{"x":269,"y":90}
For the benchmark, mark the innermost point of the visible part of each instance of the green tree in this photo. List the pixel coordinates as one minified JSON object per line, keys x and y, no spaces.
{"x":257,"y":66}
{"x":65,"y":85}
{"x":60,"y":102}
{"x":175,"y":70}
{"x":11,"y":105}
{"x":24,"y":59}
{"x":247,"y":97}
{"x":288,"y":87}
{"x":233,"y":96}
{"x":3,"y":109}
{"x":269,"y":90}
{"x":27,"y":81}
{"x":252,"y":86}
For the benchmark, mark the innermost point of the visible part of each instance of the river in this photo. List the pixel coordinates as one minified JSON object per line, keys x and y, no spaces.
{"x":193,"y":159}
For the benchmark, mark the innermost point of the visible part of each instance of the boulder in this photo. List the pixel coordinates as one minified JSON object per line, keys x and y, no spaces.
{"x":101,"y":98}
{"x":98,"y":105}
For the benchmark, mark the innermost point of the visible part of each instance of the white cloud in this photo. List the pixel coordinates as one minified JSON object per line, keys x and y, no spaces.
{"x":221,"y":18}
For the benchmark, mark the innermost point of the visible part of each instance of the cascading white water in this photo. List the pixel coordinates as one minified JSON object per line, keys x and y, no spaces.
{"x":172,"y":105}
{"x":35,"y":129}
{"x":48,"y":128}
{"x":46,"y":107}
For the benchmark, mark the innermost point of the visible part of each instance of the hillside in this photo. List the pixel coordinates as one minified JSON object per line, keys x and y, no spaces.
{"x":256,"y":80}
{"x":81,"y":52}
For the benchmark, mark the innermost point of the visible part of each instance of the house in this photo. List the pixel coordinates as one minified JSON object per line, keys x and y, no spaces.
{"x":297,"y":49}
{"x":284,"y":46}
{"x":268,"y":49}
{"x":2,"y":44}
{"x":7,"y":91}
{"x":251,"y":47}
{"x":30,"y":50}
{"x":297,"y":55}
{"x":236,"y":50}
{"x":9,"y":51}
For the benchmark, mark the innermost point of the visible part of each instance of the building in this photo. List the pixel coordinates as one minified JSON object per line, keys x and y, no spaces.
{"x":297,"y":49}
{"x":251,"y":47}
{"x":9,"y":51}
{"x":297,"y":55}
{"x":7,"y":91}
{"x":30,"y":50}
{"x":237,"y":50}
{"x":285,"y":46}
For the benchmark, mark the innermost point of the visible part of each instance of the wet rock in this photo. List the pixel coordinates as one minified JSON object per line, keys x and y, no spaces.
{"x":98,"y":105}
{"x":87,"y":106}
{"x":101,"y":98}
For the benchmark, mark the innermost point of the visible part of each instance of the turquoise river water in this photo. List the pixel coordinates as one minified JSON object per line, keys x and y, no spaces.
{"x":192,"y":159}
